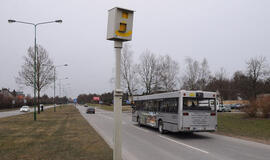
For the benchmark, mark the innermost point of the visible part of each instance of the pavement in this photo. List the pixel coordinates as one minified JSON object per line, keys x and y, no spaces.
{"x":17,"y":112}
{"x":145,"y":143}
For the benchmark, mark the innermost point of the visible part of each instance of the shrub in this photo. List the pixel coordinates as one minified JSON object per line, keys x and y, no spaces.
{"x":252,"y":108}
{"x":264,"y":104}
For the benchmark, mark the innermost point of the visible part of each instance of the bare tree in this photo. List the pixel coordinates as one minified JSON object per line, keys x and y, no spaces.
{"x":192,"y":74}
{"x":44,"y":70}
{"x":256,"y":70}
{"x":147,"y":69}
{"x":221,"y":83}
{"x":128,"y":70}
{"x":197,"y":74}
{"x":204,"y":75}
{"x":167,"y":73}
{"x":221,"y":74}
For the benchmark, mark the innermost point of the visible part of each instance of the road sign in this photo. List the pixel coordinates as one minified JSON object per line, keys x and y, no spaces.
{"x":96,"y":98}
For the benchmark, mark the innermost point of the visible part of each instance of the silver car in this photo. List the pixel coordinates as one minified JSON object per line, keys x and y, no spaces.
{"x":25,"y":109}
{"x":225,"y":108}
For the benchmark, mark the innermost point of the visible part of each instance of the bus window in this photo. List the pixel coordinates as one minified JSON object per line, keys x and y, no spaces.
{"x":198,"y":104}
{"x":173,"y":105}
{"x":163,"y":106}
{"x":156,"y":106}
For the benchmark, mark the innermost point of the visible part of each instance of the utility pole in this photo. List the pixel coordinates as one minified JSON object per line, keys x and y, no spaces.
{"x":119,"y":29}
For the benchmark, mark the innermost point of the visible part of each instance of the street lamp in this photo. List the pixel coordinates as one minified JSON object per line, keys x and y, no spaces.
{"x":65,"y":89}
{"x":54,"y":70}
{"x":60,"y":85}
{"x":35,"y":57}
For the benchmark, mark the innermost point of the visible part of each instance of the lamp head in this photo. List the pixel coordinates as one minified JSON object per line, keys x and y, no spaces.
{"x":65,"y":64}
{"x":11,"y":21}
{"x":58,"y":21}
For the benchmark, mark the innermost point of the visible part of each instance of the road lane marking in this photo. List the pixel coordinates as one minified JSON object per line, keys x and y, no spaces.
{"x":140,"y":129}
{"x":109,"y":118}
{"x":105,"y":116}
{"x":183,"y":144}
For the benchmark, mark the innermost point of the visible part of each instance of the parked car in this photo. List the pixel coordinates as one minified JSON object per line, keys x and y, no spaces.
{"x":224,"y":108}
{"x":236,"y":106}
{"x":85,"y":105}
{"x":227,"y":108}
{"x":90,"y":110}
{"x":25,"y":109}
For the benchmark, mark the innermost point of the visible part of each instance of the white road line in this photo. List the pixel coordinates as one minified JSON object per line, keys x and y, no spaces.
{"x":109,"y":118}
{"x":184,"y":144}
{"x":140,"y":129}
{"x":105,"y":116}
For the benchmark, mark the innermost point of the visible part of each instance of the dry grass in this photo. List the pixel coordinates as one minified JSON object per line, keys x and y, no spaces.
{"x":235,"y":102}
{"x":64,"y":134}
{"x":239,"y":125}
{"x":9,"y":109}
{"x":110,"y":107}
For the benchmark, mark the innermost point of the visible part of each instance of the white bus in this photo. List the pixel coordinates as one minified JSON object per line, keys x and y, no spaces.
{"x":187,"y":111}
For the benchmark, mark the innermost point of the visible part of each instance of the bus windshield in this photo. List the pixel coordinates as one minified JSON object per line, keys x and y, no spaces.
{"x":190,"y":103}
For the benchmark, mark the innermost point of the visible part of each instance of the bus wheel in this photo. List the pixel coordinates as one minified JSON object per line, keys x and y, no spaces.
{"x":139,"y":122}
{"x":160,"y":127}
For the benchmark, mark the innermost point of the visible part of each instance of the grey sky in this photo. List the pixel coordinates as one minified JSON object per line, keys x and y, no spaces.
{"x":226,"y":32}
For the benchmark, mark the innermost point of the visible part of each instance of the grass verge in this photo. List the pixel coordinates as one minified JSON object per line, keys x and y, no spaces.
{"x":64,"y":134}
{"x":17,"y":108}
{"x":239,"y":125}
{"x":110,"y":108}
{"x":9,"y":109}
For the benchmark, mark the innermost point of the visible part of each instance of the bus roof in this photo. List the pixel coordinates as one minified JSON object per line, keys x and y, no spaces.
{"x":175,"y":94}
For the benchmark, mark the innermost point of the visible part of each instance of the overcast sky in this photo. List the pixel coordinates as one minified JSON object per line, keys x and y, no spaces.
{"x":226,"y":32}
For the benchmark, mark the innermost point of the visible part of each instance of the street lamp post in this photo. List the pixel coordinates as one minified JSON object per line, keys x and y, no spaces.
{"x":65,"y":88}
{"x":54,"y":70}
{"x":60,"y":86}
{"x":35,"y":57}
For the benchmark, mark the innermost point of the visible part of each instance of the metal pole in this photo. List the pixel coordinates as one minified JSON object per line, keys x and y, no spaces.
{"x":54,"y":89}
{"x":35,"y":74}
{"x":117,"y":152}
{"x":59,"y":88}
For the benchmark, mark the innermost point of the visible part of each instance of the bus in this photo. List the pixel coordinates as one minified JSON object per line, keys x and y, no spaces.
{"x":179,"y":111}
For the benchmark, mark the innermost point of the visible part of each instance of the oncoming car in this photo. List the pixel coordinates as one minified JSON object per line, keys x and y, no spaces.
{"x":90,"y":110}
{"x":25,"y":109}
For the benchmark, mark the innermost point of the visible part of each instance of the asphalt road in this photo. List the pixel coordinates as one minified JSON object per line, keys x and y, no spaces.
{"x":144,"y":143}
{"x":17,"y":112}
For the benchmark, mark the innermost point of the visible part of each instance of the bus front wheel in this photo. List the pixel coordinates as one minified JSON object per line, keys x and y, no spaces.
{"x":160,"y":127}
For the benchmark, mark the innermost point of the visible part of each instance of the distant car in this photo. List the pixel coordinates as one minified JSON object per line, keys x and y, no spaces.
{"x":234,"y":106}
{"x":25,"y":109}
{"x":85,"y":105}
{"x":91,"y":110}
{"x":227,"y":108}
{"x":224,"y":108}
